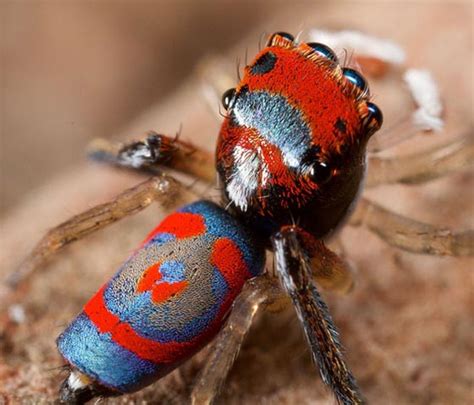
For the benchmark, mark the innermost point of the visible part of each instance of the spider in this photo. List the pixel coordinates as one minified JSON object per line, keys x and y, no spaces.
{"x":291,"y":157}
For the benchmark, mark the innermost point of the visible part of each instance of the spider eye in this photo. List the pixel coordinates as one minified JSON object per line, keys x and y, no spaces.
{"x":320,"y":172}
{"x":323,"y":50}
{"x":375,"y":114}
{"x":227,"y":98}
{"x":355,"y":78}
{"x":285,"y":35}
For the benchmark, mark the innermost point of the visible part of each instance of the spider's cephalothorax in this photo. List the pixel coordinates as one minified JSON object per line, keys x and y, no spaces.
{"x":292,"y":147}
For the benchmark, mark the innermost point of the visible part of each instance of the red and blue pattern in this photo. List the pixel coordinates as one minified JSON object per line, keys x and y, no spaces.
{"x":291,"y":148}
{"x":166,"y":302}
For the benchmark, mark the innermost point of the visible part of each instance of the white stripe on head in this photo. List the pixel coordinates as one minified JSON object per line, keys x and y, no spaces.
{"x":244,"y":179}
{"x":277,"y":121}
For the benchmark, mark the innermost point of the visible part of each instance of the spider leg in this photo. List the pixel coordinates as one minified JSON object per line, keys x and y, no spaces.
{"x":411,"y":235}
{"x":163,"y":189}
{"x":154,"y":151}
{"x":294,"y":270}
{"x":422,"y":166}
{"x":326,"y":268}
{"x":256,"y":293}
{"x":329,"y":270}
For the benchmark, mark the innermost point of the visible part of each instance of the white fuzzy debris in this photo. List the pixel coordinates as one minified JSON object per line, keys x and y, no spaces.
{"x":75,"y":382}
{"x":425,"y":92}
{"x":140,"y":156}
{"x":360,"y":43}
{"x":16,"y":313}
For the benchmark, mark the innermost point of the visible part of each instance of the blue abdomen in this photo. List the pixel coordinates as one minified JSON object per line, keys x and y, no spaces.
{"x":166,"y":302}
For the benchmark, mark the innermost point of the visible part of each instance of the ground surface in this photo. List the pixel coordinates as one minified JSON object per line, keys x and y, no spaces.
{"x":407,"y":326}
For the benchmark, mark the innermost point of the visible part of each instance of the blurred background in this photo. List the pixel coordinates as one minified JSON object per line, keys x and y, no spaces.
{"x":72,"y":71}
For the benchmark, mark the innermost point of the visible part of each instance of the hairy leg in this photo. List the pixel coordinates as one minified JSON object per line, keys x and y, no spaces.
{"x":331,"y":272}
{"x":256,"y":293}
{"x":294,"y":270}
{"x":397,"y":230}
{"x":155,"y":150}
{"x":408,"y":234}
{"x":163,"y":189}
{"x":422,"y":166}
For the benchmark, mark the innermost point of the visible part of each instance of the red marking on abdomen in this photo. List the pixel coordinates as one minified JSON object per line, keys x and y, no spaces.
{"x":227,"y":257}
{"x":149,"y":278}
{"x":161,"y":291}
{"x":181,"y":225}
{"x":147,"y":349}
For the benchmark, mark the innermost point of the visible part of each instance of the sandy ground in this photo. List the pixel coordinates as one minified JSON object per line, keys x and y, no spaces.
{"x":407,"y":326}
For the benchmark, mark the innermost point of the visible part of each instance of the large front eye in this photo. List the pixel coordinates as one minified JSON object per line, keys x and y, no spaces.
{"x":320,"y":172}
{"x":228,"y":98}
{"x":323,"y":50}
{"x":375,"y":114}
{"x":355,"y":78}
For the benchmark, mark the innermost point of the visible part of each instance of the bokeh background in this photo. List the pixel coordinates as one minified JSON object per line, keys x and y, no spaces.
{"x":73,"y":71}
{"x":77,"y":70}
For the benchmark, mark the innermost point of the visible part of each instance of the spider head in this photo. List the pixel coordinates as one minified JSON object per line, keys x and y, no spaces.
{"x":292,"y":146}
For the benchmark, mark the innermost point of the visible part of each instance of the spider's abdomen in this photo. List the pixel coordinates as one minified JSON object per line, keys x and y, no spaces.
{"x":167,"y":301}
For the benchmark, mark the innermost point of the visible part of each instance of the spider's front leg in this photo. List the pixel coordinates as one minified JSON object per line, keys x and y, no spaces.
{"x":395,"y":229}
{"x":422,"y":166}
{"x":408,"y":234}
{"x":293,"y":267}
{"x":162,"y":188}
{"x":144,"y":155}
{"x":153,"y":151}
